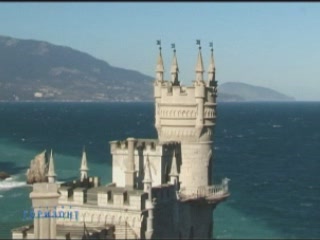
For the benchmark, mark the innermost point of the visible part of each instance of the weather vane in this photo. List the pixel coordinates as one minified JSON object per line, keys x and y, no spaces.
{"x":159,"y":44}
{"x":211,"y":45}
{"x":173,"y":46}
{"x":198,"y":43}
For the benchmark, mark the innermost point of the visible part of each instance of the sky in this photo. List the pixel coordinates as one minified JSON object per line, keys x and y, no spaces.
{"x":268,"y":44}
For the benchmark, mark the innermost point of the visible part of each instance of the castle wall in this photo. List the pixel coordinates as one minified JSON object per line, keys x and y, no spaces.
{"x":195,"y":157}
{"x":164,"y":212}
{"x":196,"y":221}
{"x":94,"y":216}
{"x":159,"y":158}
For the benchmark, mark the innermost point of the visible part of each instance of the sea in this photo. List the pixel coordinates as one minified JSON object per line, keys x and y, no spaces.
{"x":269,"y":150}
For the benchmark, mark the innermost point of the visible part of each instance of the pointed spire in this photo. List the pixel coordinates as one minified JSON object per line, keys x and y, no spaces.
{"x":51,"y":173}
{"x":84,"y":167}
{"x":174,"y":169}
{"x":174,"y":67}
{"x":199,"y":66}
{"x":147,"y":172}
{"x":211,"y":69}
{"x":159,"y":67}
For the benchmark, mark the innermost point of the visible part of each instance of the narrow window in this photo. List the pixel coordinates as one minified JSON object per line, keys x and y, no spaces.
{"x":110,"y":200}
{"x":125,"y":198}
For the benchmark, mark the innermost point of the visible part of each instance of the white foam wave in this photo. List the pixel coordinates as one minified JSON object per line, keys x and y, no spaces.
{"x":9,"y":185}
{"x":11,"y":182}
{"x":1,"y":196}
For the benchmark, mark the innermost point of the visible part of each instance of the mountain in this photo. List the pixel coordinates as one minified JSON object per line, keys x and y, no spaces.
{"x":237,"y":91}
{"x":33,"y":70}
{"x":37,"y":70}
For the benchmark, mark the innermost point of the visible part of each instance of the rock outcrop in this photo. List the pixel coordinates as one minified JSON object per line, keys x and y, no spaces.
{"x":4,"y":175}
{"x":38,"y":169}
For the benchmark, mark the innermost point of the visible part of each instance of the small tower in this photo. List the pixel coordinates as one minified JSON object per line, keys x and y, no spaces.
{"x":84,"y":167}
{"x":174,"y":171}
{"x":44,"y":195}
{"x":174,"y":68}
{"x":149,"y":204}
{"x":199,"y":66}
{"x":158,"y":83}
{"x":159,"y":67}
{"x":51,"y":173}
{"x":130,"y":166}
{"x":212,"y":70}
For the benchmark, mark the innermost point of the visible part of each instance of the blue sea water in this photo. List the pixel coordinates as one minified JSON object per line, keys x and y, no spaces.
{"x":270,"y":151}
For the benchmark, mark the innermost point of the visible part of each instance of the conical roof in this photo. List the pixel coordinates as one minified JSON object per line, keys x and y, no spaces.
{"x":51,"y":172}
{"x":160,"y":67}
{"x":212,"y":66}
{"x":84,"y":166}
{"x":147,"y":172}
{"x":174,"y":169}
{"x":199,"y":67}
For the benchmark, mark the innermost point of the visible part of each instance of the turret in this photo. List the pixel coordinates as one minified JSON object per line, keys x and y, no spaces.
{"x":147,"y":180}
{"x":159,"y":67}
{"x":84,"y":167}
{"x":174,"y":171}
{"x":199,"y":66}
{"x":44,"y":198}
{"x":149,"y":204}
{"x":130,"y":169}
{"x":212,"y":70}
{"x":174,"y":68}
{"x":51,"y":173}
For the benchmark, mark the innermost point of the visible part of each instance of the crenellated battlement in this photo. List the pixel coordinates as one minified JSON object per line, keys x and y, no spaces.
{"x":75,"y":191}
{"x":121,"y":146}
{"x":184,"y":94}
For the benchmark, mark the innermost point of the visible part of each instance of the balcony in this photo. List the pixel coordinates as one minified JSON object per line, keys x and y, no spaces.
{"x":206,"y":194}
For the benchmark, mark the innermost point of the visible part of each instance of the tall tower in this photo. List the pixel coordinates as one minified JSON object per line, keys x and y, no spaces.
{"x":187,"y":115}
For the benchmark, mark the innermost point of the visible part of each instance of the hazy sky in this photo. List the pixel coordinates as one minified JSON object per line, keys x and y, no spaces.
{"x":274,"y":45}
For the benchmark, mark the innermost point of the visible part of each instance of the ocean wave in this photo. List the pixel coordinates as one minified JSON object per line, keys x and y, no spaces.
{"x":306,"y":204}
{"x":1,"y":196}
{"x":11,"y":182}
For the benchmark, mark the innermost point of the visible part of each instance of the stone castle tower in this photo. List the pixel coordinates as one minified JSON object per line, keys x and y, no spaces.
{"x":161,"y":188}
{"x":187,"y":115}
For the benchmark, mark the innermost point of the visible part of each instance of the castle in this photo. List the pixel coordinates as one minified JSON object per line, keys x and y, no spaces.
{"x":161,"y":188}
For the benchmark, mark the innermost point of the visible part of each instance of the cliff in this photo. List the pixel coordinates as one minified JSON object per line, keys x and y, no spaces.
{"x":38,"y":169}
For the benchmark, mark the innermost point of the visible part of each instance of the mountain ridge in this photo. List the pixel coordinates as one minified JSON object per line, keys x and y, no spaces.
{"x":32,"y":70}
{"x":239,"y":91}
